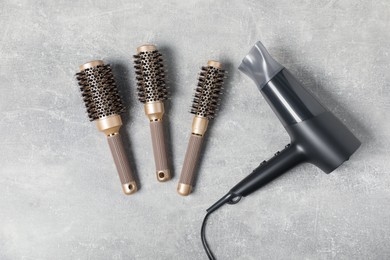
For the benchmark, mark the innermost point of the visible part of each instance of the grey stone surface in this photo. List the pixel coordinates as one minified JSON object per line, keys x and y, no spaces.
{"x":60,"y":195}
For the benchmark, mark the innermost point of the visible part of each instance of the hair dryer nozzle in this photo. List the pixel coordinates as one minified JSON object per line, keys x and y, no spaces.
{"x":259,"y":65}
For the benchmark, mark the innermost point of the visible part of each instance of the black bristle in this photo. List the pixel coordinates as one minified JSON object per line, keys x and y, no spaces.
{"x":99,"y":92}
{"x":206,"y":99}
{"x":150,"y":76}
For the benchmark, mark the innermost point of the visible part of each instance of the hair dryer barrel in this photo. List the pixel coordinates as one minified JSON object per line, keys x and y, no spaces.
{"x":289,"y":100}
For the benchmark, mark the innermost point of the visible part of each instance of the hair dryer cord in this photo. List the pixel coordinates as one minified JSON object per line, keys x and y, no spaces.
{"x":229,"y":199}
{"x":203,"y":236}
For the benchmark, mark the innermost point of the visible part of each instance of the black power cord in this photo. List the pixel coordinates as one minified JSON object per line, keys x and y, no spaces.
{"x":203,"y":237}
{"x":230,"y":199}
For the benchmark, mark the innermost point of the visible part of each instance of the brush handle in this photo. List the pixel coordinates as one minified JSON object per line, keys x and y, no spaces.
{"x":159,"y":150}
{"x":126,"y":176}
{"x":188,"y":171}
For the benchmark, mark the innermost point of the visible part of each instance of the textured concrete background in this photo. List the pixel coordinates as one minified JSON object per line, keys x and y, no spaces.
{"x":60,"y":194}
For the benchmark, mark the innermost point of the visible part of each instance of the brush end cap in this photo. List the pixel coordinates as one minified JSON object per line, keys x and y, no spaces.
{"x":129,"y":188}
{"x":163,"y":175}
{"x":146,"y":48}
{"x":91,"y":64}
{"x":184,"y":189}
{"x":215,"y":64}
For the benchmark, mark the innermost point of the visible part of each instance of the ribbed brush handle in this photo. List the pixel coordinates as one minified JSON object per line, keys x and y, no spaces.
{"x":188,"y":171}
{"x":159,"y":150}
{"x":122,"y":164}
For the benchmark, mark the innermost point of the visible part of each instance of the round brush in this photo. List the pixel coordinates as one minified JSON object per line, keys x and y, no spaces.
{"x":104,"y":105}
{"x":152,"y":92}
{"x":204,"y":106}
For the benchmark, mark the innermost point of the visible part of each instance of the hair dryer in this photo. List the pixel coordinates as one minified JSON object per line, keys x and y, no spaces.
{"x":317,"y":136}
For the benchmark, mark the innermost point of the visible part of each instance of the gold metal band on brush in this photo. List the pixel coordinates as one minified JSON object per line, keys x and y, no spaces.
{"x":154,"y":110}
{"x":152,"y":92}
{"x":204,"y":107}
{"x":199,"y":125}
{"x":109,"y":124}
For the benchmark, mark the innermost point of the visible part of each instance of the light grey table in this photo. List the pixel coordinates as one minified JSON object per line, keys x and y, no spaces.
{"x":60,"y":196}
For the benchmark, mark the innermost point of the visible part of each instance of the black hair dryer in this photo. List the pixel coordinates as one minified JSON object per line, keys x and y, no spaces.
{"x":317,"y":136}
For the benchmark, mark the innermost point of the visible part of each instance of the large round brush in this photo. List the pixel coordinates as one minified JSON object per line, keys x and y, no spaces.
{"x":104,"y":105}
{"x":204,"y":106}
{"x":152,"y":92}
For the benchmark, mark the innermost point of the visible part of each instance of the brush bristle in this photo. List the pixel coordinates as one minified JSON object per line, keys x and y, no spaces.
{"x":206,"y":99}
{"x":150,"y":76}
{"x":99,"y":92}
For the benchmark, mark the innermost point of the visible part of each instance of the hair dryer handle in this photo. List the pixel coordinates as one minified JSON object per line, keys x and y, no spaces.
{"x":269,"y":170}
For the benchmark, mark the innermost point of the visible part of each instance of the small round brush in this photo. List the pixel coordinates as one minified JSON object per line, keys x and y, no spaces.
{"x":104,"y":106}
{"x":204,"y":106}
{"x":152,"y":92}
